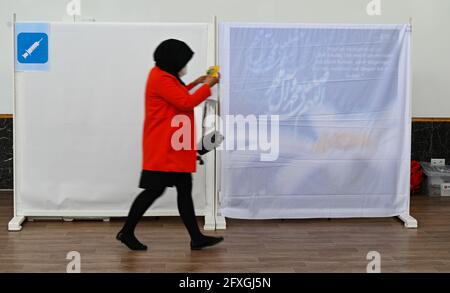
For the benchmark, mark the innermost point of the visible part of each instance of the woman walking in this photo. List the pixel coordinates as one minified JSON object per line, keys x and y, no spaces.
{"x":163,"y":165}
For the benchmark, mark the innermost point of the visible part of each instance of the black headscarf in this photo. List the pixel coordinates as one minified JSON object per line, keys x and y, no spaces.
{"x":172,"y":55}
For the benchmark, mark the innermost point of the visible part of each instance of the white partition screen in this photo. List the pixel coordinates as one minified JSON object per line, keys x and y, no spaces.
{"x":342,"y":96}
{"x":79,"y":125}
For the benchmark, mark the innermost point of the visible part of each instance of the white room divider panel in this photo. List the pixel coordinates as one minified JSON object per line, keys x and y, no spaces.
{"x":342,"y":93}
{"x":79,"y":125}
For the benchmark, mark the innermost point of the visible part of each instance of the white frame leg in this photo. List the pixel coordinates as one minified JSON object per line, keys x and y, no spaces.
{"x":16,"y":223}
{"x":221,"y":223}
{"x":210,"y":224}
{"x":210,"y":221}
{"x":410,"y":222}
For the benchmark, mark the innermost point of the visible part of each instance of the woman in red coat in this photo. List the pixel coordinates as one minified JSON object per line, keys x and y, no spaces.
{"x":167,"y":102}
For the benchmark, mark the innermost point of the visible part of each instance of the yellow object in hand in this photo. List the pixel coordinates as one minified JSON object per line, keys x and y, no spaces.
{"x":213,"y":71}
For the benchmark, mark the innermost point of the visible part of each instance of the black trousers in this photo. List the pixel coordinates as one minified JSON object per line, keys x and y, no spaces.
{"x":183,"y":184}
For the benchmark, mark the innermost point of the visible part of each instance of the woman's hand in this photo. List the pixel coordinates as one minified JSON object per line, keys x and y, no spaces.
{"x":211,"y":80}
{"x":200,"y":79}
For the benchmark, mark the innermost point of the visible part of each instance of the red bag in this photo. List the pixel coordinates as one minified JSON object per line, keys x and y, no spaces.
{"x":416,"y":176}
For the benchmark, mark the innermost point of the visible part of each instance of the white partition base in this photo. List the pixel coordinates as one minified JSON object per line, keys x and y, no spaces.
{"x":221,"y":223}
{"x":16,"y":223}
{"x":410,"y":222}
{"x":210,"y":223}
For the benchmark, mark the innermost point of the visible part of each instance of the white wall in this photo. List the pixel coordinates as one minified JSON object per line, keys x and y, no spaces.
{"x":431,"y":53}
{"x":431,"y":33}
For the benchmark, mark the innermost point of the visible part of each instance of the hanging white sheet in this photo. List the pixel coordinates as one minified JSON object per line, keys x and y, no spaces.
{"x":343,"y":100}
{"x":79,"y":125}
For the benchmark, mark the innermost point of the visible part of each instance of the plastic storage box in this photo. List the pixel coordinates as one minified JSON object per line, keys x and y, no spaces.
{"x":436,"y":175}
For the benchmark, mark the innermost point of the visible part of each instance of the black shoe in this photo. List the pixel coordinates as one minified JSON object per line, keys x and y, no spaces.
{"x":205,"y":242}
{"x":130,"y":241}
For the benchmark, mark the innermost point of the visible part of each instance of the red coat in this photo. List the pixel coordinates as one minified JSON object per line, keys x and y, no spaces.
{"x":166,"y":97}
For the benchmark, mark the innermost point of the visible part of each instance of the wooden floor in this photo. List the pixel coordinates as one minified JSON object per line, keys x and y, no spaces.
{"x":249,"y":246}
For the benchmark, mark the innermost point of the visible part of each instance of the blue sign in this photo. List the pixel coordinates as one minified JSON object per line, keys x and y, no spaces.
{"x":32,"y":46}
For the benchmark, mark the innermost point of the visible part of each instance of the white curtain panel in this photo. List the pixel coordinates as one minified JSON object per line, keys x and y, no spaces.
{"x":342,"y":93}
{"x":79,"y":125}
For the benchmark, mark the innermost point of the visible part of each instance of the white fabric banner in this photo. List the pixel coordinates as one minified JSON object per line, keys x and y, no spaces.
{"x":342,"y":93}
{"x":79,"y":125}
